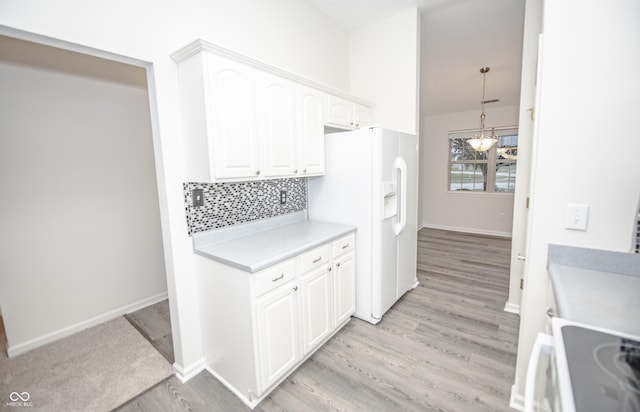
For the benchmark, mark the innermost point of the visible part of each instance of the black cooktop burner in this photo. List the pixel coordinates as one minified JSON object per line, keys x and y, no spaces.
{"x":620,"y":361}
{"x":604,"y":370}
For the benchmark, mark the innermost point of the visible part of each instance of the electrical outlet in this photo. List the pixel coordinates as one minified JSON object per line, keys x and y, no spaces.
{"x":197,"y":198}
{"x":283,"y":197}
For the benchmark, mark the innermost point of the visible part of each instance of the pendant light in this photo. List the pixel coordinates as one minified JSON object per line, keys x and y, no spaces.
{"x":480,"y":142}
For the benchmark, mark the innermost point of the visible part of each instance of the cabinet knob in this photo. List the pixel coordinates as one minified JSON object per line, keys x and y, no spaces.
{"x":295,"y":171}
{"x":257,"y":172}
{"x":295,"y":288}
{"x":338,"y":264}
{"x":304,"y":170}
{"x":329,"y":269}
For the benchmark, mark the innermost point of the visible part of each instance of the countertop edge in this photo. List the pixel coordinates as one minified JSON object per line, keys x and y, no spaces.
{"x":625,"y":263}
{"x":295,"y":250}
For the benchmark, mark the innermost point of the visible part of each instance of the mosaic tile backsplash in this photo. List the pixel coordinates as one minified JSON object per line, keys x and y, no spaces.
{"x":637,"y":250}
{"x":227,"y":204}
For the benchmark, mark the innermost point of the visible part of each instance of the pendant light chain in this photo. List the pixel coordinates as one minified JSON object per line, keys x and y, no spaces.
{"x":481,"y":143}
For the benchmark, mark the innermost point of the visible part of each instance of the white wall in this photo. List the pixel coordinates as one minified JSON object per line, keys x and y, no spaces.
{"x":385,"y":69}
{"x":80,"y":238}
{"x":469,"y":212}
{"x":587,"y":143}
{"x":290,"y":34}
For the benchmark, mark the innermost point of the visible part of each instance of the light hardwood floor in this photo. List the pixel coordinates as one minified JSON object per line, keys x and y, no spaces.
{"x":154,"y":324}
{"x":445,"y":346}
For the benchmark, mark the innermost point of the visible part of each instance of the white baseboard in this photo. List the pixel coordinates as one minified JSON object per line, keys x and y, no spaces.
{"x":23,"y":347}
{"x":469,"y":230}
{"x":251,"y":403}
{"x":184,"y":374}
{"x":517,"y":401}
{"x":512,"y":308}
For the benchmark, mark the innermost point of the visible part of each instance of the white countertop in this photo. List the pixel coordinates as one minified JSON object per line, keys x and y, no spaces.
{"x":254,"y":250}
{"x":605,"y":299}
{"x":596,"y":287}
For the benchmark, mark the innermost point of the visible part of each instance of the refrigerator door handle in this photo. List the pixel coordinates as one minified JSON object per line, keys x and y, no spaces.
{"x":400,"y":172}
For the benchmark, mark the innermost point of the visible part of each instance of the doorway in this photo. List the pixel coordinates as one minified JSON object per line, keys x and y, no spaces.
{"x":81,"y":238}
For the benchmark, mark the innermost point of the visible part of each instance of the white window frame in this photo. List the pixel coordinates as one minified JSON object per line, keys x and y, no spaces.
{"x":491,"y":160}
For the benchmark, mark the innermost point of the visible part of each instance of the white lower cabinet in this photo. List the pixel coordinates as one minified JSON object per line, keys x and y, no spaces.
{"x":345,"y":287}
{"x":278,"y":333}
{"x":317,"y":310}
{"x":258,"y":327}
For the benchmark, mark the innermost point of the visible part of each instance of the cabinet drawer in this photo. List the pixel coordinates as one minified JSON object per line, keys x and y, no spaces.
{"x":271,"y":278}
{"x":343,"y":245}
{"x":316,"y":257}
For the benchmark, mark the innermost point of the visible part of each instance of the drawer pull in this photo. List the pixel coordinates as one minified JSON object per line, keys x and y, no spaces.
{"x":277,"y":278}
{"x":338,"y":264}
{"x":317,"y":260}
{"x":345,"y":246}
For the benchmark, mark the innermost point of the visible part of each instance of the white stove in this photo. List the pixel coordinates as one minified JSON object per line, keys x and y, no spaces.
{"x":587,"y":369}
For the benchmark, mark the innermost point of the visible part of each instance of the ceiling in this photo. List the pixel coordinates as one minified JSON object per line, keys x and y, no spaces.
{"x":458,"y":37}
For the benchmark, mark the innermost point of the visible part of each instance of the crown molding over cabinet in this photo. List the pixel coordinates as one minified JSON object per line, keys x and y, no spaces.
{"x":200,"y":45}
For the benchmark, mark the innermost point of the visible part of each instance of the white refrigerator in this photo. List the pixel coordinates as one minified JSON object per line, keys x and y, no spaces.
{"x":371,"y":181}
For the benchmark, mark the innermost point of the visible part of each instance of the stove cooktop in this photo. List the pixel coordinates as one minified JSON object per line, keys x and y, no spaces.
{"x":604,"y":370}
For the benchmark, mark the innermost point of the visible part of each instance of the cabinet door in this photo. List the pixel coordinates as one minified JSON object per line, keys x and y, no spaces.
{"x":311,"y":119}
{"x":340,"y":112}
{"x":231,"y":119}
{"x":363,"y":116}
{"x":345,"y":290}
{"x":278,"y":334}
{"x":317,"y":310}
{"x":277,"y":126}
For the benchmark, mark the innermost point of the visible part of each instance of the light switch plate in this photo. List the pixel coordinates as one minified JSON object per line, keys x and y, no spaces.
{"x":577,"y":216}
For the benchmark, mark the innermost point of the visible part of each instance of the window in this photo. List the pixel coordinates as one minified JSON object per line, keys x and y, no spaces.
{"x":491,"y":171}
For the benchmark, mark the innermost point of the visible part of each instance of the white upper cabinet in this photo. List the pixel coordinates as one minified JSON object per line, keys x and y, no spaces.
{"x":246,"y":120}
{"x":311,"y":120}
{"x":346,"y":114}
{"x":232,"y":119}
{"x":278,"y":126}
{"x":363,"y":116}
{"x":340,"y":111}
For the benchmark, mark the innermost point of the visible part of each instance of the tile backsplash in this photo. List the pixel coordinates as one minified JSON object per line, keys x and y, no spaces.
{"x":227,"y":204}
{"x":637,"y":237}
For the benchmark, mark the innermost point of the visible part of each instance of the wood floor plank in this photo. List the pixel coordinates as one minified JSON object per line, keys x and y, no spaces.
{"x":446,"y":346}
{"x":154,"y":323}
